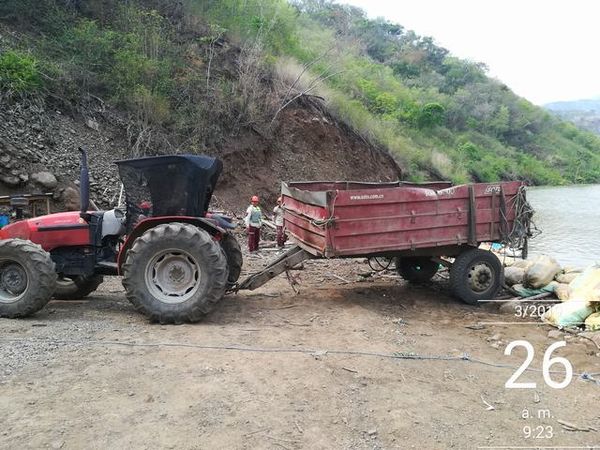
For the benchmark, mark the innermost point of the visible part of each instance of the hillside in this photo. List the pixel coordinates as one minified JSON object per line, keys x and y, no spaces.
{"x":279,"y":90}
{"x":583,"y":113}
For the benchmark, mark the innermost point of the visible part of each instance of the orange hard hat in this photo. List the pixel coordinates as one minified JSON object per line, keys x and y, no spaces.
{"x":145,"y":205}
{"x":254,"y":199}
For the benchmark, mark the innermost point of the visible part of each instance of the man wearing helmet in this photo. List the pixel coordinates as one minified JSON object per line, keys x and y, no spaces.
{"x":253,"y":222}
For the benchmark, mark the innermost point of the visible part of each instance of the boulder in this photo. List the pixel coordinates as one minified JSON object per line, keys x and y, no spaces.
{"x":70,"y":198}
{"x":10,"y":180}
{"x":46,"y":179}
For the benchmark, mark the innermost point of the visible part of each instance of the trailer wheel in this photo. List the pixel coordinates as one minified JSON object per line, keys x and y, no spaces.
{"x":175,"y":273}
{"x":76,"y":287}
{"x":27,"y":278}
{"x":476,"y":275}
{"x":416,"y":269}
{"x":233,"y":252}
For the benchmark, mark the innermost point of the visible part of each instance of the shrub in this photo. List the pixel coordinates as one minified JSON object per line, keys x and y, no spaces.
{"x":19,"y":73}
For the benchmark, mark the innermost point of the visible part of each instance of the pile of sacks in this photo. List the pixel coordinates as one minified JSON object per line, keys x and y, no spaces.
{"x":579,"y":290}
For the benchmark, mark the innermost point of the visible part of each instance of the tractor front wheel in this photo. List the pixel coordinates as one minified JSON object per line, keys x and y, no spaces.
{"x":175,"y":273}
{"x":76,"y":287}
{"x":27,"y":278}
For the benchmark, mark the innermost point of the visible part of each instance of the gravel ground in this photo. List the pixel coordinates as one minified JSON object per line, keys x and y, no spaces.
{"x":275,"y":369}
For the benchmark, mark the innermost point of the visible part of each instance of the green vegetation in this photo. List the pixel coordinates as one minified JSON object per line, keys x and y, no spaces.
{"x":18,"y":73}
{"x":192,"y":72}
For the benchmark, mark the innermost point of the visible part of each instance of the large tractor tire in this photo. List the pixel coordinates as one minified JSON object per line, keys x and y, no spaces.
{"x":76,"y":288}
{"x":416,"y":269}
{"x":233,"y":252}
{"x":27,"y":278}
{"x":175,"y":273}
{"x":476,"y":275}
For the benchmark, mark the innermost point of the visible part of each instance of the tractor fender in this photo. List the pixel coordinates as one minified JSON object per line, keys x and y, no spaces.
{"x":206,"y":224}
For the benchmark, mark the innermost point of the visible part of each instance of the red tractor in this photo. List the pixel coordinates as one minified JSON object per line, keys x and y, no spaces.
{"x":177,"y":260}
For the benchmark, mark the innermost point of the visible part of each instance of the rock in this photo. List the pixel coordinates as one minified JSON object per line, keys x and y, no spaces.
{"x":495,"y":337}
{"x":10,"y":180}
{"x":46,"y":179}
{"x":91,"y":123}
{"x":372,"y":431}
{"x":555,"y":334}
{"x":70,"y":198}
{"x":24,"y":177}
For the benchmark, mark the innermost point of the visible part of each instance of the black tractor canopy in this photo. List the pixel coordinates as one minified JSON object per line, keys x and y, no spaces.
{"x":176,"y":185}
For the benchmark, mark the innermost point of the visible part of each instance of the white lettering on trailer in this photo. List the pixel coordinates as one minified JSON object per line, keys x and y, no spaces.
{"x":367,"y":197}
{"x":449,"y":191}
{"x":494,"y":189}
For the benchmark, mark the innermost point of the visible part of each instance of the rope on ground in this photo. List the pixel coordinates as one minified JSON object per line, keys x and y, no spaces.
{"x":397,"y":355}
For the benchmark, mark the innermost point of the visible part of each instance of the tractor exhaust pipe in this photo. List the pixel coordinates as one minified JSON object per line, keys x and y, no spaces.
{"x":84,"y":184}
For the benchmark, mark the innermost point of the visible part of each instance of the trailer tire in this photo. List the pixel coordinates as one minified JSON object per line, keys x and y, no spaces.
{"x":76,"y":287}
{"x":175,"y":273}
{"x":416,"y":269}
{"x":27,"y":278}
{"x":233,"y":253}
{"x":476,"y":275}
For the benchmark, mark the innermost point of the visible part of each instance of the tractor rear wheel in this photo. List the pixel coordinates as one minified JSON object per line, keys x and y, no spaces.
{"x":233,"y":252}
{"x":175,"y":273}
{"x":76,"y":287}
{"x":416,"y":269}
{"x":27,"y":278}
{"x":476,"y":275}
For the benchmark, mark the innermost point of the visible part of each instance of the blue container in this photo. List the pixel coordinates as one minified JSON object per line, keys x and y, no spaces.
{"x":4,"y":220}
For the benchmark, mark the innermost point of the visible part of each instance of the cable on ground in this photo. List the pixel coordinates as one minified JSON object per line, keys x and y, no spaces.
{"x":396,"y":355}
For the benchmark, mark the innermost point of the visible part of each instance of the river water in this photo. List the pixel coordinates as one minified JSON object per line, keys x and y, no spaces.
{"x":569,"y":217}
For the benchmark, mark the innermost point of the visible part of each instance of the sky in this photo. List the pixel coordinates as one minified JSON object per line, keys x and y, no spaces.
{"x":544,"y":51}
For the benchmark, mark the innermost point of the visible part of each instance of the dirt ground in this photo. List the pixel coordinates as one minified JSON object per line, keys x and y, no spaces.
{"x":278,"y":370}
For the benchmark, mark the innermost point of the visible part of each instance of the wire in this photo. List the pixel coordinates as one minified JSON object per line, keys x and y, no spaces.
{"x":381,"y":266}
{"x":397,"y":355}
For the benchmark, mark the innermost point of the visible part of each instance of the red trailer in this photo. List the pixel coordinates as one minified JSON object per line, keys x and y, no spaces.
{"x":414,"y":223}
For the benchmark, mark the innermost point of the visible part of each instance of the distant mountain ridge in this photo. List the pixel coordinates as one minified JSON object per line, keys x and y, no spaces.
{"x":592,"y":104}
{"x":583,"y":113}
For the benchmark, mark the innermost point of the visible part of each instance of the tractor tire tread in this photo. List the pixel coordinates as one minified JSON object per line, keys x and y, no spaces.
{"x":83,"y":286}
{"x":42,"y":277}
{"x":215,"y":267}
{"x":458,"y":283}
{"x":235,"y":259}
